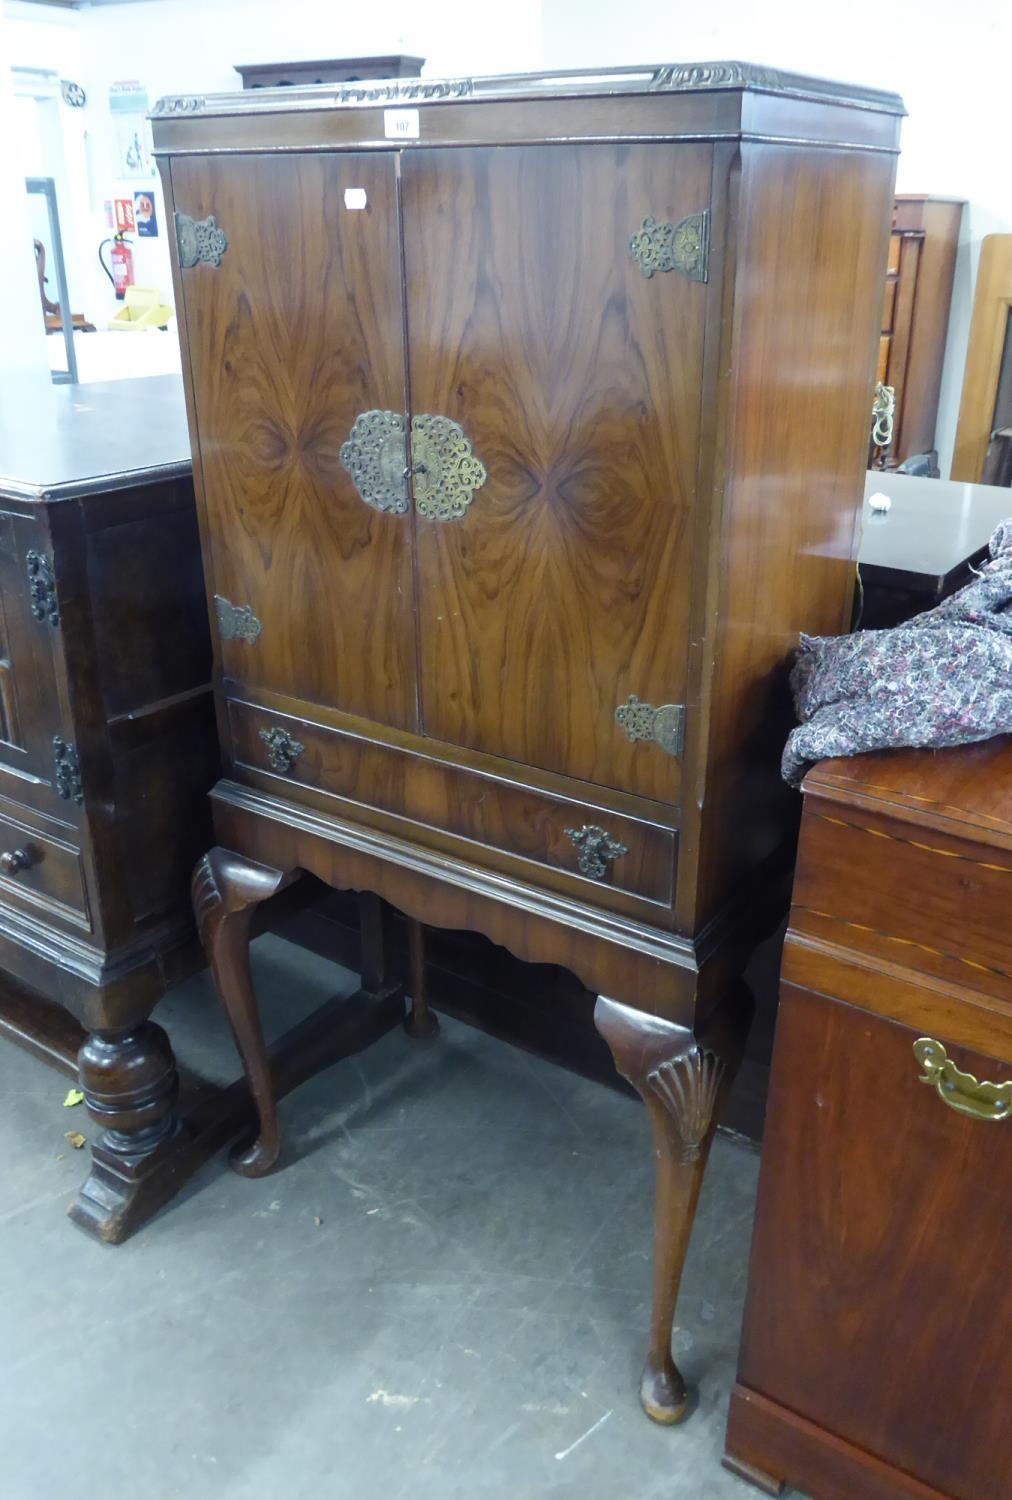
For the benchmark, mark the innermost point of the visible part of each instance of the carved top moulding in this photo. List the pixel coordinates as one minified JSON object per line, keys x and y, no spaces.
{"x":657,"y":78}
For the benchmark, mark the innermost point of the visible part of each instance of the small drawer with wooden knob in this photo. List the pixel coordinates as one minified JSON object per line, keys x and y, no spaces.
{"x":40,"y":870}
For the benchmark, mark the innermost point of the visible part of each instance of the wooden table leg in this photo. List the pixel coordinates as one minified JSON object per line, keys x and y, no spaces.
{"x":420,"y":1022}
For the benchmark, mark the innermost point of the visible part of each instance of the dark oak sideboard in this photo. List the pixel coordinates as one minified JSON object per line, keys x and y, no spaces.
{"x":518,"y":472}
{"x":107,"y":748}
{"x":875,"y":1357}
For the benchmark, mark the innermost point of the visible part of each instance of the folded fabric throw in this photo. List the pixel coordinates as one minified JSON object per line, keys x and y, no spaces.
{"x":943,"y":678}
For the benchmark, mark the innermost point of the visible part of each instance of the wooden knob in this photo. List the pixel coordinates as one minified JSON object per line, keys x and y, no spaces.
{"x":13,"y":860}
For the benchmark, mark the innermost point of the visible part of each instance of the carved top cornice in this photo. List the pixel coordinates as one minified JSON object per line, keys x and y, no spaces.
{"x":665,"y":78}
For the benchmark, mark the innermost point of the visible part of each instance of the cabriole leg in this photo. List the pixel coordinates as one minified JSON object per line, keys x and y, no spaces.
{"x":226,"y":892}
{"x":681,"y":1082}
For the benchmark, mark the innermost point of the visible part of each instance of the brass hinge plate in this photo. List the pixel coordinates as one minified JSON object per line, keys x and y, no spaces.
{"x":664,"y":726}
{"x":683,"y":247}
{"x":236,"y":622}
{"x":199,"y":240}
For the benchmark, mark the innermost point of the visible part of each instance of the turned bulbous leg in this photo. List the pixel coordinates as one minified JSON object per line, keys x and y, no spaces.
{"x":226,"y":892}
{"x":130,"y":1087}
{"x":681,"y":1082}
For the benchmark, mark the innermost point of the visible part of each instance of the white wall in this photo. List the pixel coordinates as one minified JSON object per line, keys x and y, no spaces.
{"x":22,"y":337}
{"x":192,"y":46}
{"x":950,"y":63}
{"x":184,"y":46}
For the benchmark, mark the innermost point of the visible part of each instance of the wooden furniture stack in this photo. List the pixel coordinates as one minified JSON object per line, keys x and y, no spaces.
{"x":107,"y":747}
{"x":985,"y":408}
{"x":328,"y":70}
{"x":529,"y":422}
{"x":915,"y":318}
{"x":875,"y":1359}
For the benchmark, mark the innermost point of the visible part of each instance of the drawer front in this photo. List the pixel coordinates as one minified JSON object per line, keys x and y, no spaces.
{"x":879,"y":1300}
{"x":40,"y":871}
{"x":931,"y":902}
{"x":633,"y":856}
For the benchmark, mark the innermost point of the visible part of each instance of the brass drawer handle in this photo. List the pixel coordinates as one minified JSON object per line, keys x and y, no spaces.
{"x":14,"y":860}
{"x":595,"y":849}
{"x":282,"y":750}
{"x":961,"y":1091}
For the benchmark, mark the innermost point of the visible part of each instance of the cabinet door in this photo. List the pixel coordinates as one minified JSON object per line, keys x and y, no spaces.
{"x":564,"y":586}
{"x":291,"y":337}
{"x":29,"y":707}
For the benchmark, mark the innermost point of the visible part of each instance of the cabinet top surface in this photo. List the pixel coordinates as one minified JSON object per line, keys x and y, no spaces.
{"x":968,"y":785}
{"x":663,"y":78}
{"x":62,"y":442}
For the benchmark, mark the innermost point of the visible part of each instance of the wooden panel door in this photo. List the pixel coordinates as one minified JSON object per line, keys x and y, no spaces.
{"x":564,"y":588}
{"x":297,"y":332}
{"x":29,"y":704}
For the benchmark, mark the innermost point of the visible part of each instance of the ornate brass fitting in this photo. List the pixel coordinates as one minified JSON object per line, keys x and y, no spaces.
{"x":665,"y":726}
{"x":684,"y":246}
{"x":442,"y":466}
{"x":596,"y":849}
{"x":199,"y":239}
{"x":961,"y":1091}
{"x":282,"y":750}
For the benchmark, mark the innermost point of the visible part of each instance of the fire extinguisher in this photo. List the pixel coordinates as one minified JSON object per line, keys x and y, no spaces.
{"x":121,"y":271}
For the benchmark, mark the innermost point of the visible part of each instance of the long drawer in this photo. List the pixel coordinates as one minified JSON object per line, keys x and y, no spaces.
{"x":38,"y":870}
{"x":610,"y":849}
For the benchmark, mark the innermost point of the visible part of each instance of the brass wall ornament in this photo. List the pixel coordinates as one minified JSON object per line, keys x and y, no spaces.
{"x":199,"y":239}
{"x":42,"y":588}
{"x":961,"y":1091}
{"x":596,"y":849}
{"x":664,"y":726}
{"x":282,"y":750}
{"x":236,"y":622}
{"x":684,"y":246}
{"x":376,"y":457}
{"x":441,"y":464}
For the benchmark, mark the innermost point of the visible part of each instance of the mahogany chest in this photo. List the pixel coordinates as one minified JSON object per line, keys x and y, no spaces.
{"x":529,"y":420}
{"x":876,"y":1359}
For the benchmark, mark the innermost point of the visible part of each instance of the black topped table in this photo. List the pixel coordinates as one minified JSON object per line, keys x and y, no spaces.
{"x":923,"y":549}
{"x":66,"y":440}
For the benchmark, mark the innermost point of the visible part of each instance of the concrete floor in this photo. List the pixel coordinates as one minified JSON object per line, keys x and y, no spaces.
{"x":444,"y":1293}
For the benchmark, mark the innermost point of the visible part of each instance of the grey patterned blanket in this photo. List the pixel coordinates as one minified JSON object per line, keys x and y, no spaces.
{"x":943,"y":678}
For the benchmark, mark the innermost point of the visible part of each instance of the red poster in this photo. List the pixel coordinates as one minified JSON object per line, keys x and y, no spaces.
{"x":125,"y":215}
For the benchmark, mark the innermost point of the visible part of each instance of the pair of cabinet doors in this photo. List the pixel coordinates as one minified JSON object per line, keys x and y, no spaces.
{"x":492,"y":288}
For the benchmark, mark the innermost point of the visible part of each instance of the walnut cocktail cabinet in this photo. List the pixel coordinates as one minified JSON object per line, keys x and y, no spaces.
{"x":529,"y":420}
